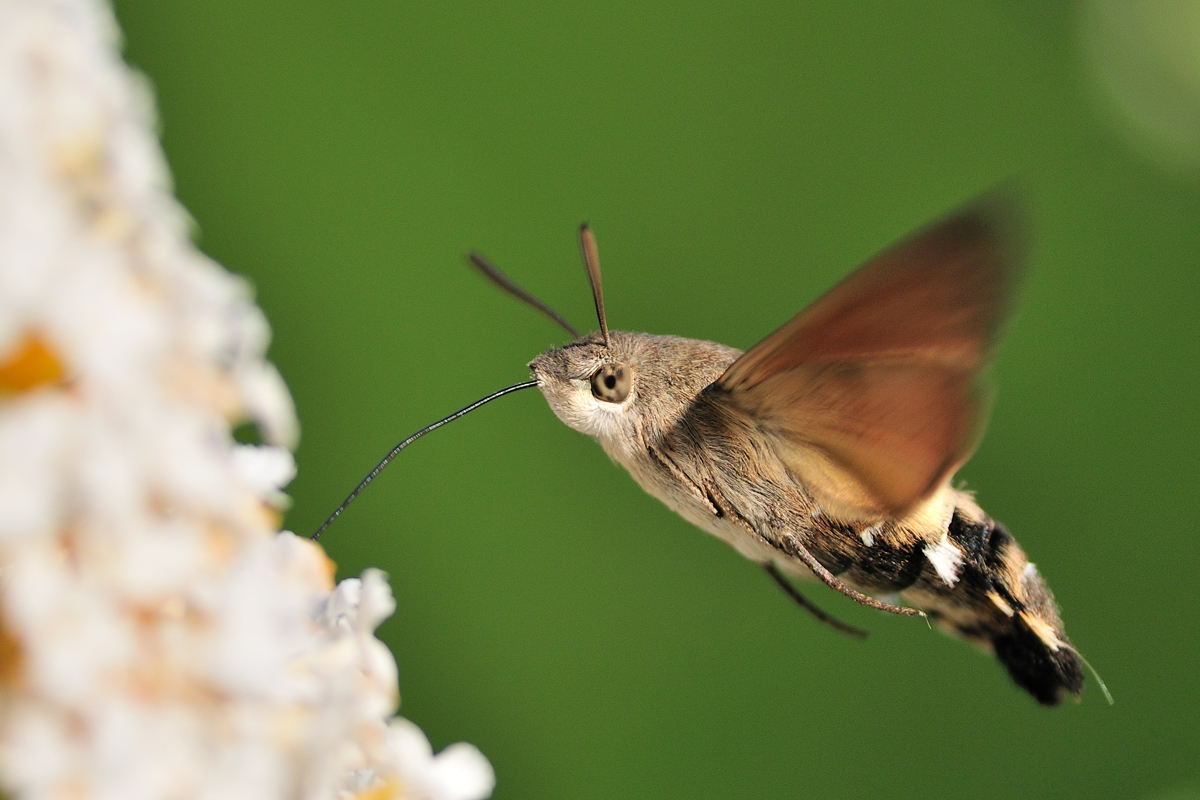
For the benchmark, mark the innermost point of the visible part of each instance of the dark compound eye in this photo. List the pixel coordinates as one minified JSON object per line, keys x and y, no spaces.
{"x":611,"y":383}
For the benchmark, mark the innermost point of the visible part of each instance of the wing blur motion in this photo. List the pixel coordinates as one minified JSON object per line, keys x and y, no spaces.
{"x":872,"y":395}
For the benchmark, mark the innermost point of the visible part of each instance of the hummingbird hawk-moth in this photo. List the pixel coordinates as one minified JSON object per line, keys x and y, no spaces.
{"x":826,"y":451}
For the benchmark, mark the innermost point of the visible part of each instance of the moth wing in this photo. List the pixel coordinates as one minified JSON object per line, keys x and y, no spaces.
{"x":872,"y":395}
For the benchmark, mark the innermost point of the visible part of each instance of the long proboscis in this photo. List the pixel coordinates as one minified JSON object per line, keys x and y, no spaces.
{"x":395,"y":451}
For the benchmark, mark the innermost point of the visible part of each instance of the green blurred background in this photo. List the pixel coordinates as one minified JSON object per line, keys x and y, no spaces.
{"x":735,"y":161}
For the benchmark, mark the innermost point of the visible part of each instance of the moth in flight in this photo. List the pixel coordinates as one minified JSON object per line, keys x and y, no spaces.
{"x":827,"y":450}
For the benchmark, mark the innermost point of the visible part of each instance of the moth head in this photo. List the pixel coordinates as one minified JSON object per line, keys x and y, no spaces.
{"x":612,"y":384}
{"x":591,"y":385}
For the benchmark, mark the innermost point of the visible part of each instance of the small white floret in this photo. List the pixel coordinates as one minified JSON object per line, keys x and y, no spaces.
{"x":460,"y":772}
{"x":266,"y":469}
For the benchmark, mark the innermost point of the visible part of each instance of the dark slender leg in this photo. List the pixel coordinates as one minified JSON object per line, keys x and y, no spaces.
{"x":804,"y":603}
{"x":792,"y":546}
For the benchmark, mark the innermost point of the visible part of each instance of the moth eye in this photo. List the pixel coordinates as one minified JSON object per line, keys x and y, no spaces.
{"x":611,"y":383}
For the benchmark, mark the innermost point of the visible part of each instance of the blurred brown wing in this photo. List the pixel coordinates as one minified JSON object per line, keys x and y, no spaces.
{"x":872,"y":394}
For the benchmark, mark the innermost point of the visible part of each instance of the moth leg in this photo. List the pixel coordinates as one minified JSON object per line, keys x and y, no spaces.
{"x":794,"y":547}
{"x":802,"y":601}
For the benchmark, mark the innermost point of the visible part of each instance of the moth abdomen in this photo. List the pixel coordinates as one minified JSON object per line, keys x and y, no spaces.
{"x":999,"y":601}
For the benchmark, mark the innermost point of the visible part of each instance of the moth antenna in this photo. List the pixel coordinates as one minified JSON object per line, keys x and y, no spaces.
{"x":395,"y":451}
{"x":493,"y":273}
{"x":1107,"y":694}
{"x":591,"y":260}
{"x":802,"y":601}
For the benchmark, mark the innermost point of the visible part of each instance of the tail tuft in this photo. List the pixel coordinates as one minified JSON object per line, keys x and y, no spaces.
{"x":1044,"y":672}
{"x":1033,"y":646}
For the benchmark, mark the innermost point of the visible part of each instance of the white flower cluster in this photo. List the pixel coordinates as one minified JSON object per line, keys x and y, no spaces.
{"x":158,"y":638}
